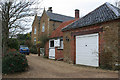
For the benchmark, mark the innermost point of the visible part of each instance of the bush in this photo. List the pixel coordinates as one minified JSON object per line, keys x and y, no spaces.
{"x":33,"y":49}
{"x":13,"y":44}
{"x":14,"y":62}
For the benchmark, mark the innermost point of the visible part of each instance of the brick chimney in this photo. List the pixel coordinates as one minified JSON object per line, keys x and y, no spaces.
{"x":76,"y":13}
{"x":49,"y":9}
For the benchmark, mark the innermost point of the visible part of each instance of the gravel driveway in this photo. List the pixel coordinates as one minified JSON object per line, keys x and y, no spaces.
{"x":45,"y":68}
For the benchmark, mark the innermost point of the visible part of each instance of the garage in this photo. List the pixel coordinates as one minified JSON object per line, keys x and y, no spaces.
{"x":87,"y":50}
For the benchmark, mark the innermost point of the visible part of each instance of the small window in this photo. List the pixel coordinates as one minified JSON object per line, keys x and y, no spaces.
{"x":35,"y":41}
{"x":52,"y":43}
{"x":53,"y":24}
{"x":35,"y":30}
{"x":61,"y":44}
{"x":43,"y":27}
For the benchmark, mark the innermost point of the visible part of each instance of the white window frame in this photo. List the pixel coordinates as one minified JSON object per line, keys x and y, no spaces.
{"x":50,"y":44}
{"x":43,"y":27}
{"x":35,"y":30}
{"x":61,"y":44}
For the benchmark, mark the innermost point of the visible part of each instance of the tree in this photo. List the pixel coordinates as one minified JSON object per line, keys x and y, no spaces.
{"x":41,"y":43}
{"x":13,"y":13}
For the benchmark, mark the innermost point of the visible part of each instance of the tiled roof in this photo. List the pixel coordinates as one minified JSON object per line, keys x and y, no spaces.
{"x":58,"y":32}
{"x":105,"y":12}
{"x":58,"y":17}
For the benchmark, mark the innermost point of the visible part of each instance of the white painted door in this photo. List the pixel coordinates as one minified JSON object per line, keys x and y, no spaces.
{"x":52,"y":53}
{"x":51,"y":49}
{"x":87,"y":50}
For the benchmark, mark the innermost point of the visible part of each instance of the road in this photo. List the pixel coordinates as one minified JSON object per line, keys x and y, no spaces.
{"x":45,"y":68}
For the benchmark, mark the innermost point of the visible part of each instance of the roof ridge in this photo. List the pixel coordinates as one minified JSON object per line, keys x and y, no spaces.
{"x":60,"y":14}
{"x":110,"y":6}
{"x":69,"y":24}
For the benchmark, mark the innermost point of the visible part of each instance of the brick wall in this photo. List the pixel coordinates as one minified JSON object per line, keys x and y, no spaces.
{"x":35,"y":24}
{"x":53,"y":25}
{"x":58,"y":53}
{"x":49,"y":25}
{"x":110,"y":42}
{"x":47,"y":49}
{"x":108,"y":39}
{"x":44,"y":19}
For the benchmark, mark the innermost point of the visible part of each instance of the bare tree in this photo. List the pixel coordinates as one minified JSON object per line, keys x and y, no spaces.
{"x":14,"y":15}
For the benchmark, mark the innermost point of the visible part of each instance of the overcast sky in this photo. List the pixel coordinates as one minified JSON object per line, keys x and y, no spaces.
{"x":67,"y":7}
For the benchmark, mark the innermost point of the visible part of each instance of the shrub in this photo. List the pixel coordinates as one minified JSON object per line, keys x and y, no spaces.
{"x":13,"y":43}
{"x":22,"y":42}
{"x":14,"y":62}
{"x":33,"y":49}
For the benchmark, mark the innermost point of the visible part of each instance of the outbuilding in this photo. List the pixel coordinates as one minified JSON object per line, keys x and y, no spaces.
{"x":93,"y":39}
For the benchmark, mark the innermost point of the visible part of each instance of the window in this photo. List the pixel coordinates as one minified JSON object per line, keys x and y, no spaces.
{"x":52,"y":43}
{"x":34,"y":40}
{"x":54,"y":26}
{"x":61,"y":44}
{"x":43,"y":27}
{"x":35,"y":30}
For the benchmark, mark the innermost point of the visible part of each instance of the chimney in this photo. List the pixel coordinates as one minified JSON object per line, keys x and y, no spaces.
{"x":49,"y":9}
{"x":76,"y":13}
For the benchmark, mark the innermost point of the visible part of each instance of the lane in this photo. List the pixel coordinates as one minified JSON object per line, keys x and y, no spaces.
{"x":45,"y":68}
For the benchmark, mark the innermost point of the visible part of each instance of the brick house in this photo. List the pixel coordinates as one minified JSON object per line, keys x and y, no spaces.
{"x":47,"y":23}
{"x":92,"y":36}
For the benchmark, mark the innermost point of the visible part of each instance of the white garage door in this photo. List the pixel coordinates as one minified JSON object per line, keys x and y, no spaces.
{"x":87,"y":50}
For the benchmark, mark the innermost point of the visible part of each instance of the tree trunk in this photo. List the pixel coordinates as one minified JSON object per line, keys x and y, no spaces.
{"x":5,"y":28}
{"x":5,"y":36}
{"x":38,"y":51}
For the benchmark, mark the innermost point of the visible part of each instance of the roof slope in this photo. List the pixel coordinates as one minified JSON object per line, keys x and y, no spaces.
{"x":103,"y":13}
{"x":58,"y":32}
{"x":58,"y":17}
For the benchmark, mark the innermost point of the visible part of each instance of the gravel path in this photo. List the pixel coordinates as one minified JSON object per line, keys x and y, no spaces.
{"x":45,"y":68}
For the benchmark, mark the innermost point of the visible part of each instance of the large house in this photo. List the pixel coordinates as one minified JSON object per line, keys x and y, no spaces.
{"x":47,"y":23}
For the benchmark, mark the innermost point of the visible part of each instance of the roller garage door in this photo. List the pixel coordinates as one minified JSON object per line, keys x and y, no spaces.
{"x":87,"y":50}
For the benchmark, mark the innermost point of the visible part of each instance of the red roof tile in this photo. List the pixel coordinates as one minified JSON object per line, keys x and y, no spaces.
{"x":58,"y":32}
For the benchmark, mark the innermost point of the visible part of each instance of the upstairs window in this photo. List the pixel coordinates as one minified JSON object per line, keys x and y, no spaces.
{"x":34,"y":40}
{"x":35,"y":30}
{"x":43,"y":27}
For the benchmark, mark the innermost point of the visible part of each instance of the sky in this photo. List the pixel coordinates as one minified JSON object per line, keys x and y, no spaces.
{"x":67,"y":7}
